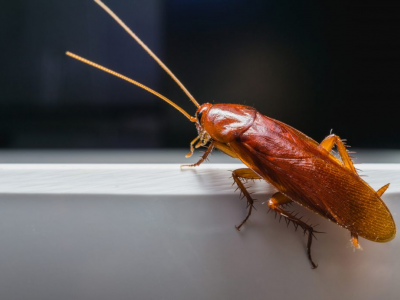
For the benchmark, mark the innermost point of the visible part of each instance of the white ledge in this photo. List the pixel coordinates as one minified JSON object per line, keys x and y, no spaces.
{"x":151,"y":179}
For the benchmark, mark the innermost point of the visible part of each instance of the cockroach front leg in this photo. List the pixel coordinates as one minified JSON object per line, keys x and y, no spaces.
{"x":203,"y":157}
{"x":246,"y":174}
{"x":275,"y":204}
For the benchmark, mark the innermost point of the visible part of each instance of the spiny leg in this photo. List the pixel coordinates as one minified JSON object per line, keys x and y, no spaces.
{"x":328,"y":144}
{"x":275,"y":203}
{"x":246,"y":174}
{"x":203,"y":157}
{"x":333,"y":139}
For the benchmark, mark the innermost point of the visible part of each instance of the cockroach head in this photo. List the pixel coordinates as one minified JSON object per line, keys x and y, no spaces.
{"x":200,"y":113}
{"x":203,"y":138}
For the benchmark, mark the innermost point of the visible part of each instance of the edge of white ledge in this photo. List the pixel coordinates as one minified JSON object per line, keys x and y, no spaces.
{"x":150,"y":179}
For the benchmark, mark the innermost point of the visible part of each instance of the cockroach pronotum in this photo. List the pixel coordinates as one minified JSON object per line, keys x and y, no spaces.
{"x":302,"y":170}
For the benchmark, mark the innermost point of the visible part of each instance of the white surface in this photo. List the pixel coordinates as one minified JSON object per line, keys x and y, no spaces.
{"x":152,"y":179}
{"x":155,"y":232}
{"x":156,"y":156}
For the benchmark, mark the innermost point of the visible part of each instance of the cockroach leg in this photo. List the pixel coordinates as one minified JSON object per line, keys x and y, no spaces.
{"x":203,"y":157}
{"x":246,"y":174}
{"x":192,"y":147}
{"x":275,"y":203}
{"x":328,"y":144}
{"x":354,"y":240}
{"x":199,"y":144}
{"x":225,"y":148}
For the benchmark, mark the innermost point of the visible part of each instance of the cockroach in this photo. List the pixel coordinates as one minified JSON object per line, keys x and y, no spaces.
{"x":302,"y":170}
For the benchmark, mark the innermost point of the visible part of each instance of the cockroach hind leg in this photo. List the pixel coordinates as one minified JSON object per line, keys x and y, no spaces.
{"x":330,"y":141}
{"x":275,"y":204}
{"x":309,"y":242}
{"x":354,"y":241}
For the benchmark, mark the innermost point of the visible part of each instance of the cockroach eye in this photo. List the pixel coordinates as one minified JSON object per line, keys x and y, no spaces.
{"x":199,"y":115}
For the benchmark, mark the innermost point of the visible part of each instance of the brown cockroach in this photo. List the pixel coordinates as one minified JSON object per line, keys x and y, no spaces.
{"x":302,"y":170}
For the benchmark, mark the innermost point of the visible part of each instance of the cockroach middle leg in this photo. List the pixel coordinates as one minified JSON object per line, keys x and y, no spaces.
{"x":203,"y":157}
{"x":225,"y":148}
{"x":275,"y":203}
{"x":246,"y":174}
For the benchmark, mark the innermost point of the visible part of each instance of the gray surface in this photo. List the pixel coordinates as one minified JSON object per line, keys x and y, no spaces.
{"x":101,"y":247}
{"x":177,"y":247}
{"x":156,"y":156}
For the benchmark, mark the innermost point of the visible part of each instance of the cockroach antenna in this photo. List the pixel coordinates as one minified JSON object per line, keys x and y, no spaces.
{"x":84,"y":60}
{"x":143,"y":45}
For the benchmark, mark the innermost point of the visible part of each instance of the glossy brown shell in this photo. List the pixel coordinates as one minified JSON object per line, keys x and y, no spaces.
{"x":302,"y":170}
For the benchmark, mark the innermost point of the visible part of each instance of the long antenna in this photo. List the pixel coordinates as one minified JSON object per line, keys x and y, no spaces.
{"x":139,"y":41}
{"x":192,"y":119}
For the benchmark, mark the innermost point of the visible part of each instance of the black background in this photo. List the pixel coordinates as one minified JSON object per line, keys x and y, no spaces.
{"x":313,"y":65}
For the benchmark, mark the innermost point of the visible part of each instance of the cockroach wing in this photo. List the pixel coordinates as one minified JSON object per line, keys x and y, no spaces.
{"x":300,"y":169}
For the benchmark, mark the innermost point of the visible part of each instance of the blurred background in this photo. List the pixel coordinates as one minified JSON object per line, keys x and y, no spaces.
{"x":314,"y":65}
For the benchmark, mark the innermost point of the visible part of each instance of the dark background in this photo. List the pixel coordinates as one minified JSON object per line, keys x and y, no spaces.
{"x":314,"y":65}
